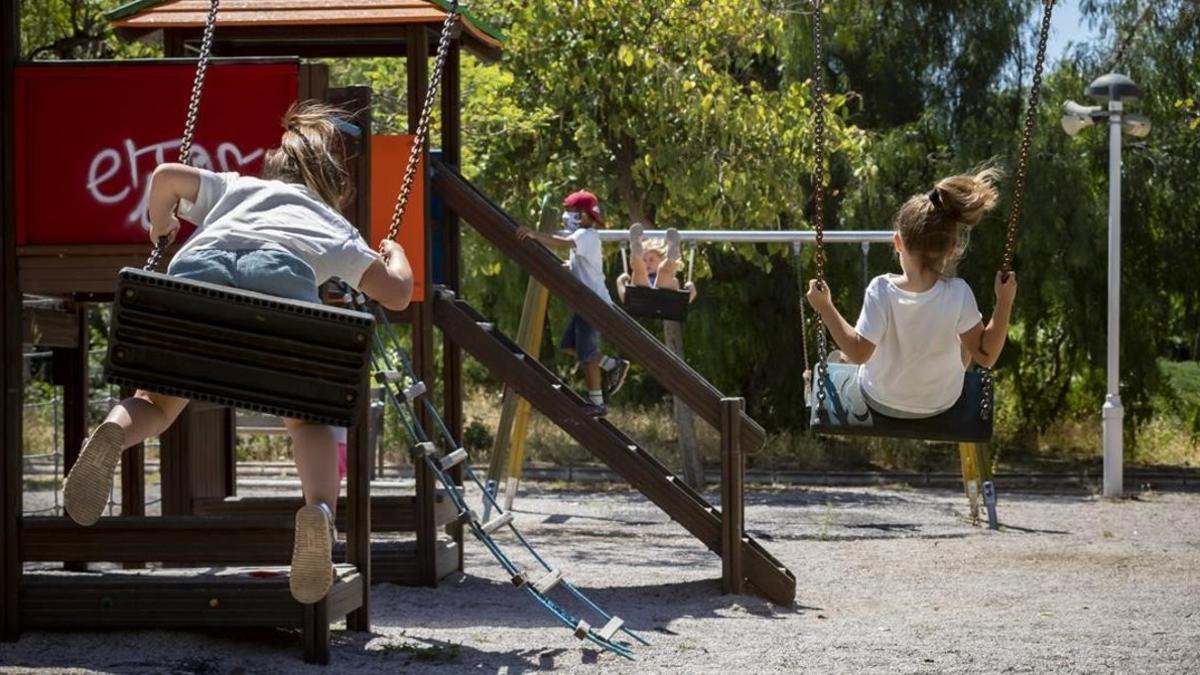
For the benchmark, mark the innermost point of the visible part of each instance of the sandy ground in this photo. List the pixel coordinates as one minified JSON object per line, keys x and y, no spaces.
{"x":889,"y":581}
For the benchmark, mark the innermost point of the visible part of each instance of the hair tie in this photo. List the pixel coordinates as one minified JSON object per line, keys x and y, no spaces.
{"x":936,"y":199}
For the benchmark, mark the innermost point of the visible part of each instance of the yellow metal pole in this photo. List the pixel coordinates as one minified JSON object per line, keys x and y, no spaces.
{"x":972,"y":472}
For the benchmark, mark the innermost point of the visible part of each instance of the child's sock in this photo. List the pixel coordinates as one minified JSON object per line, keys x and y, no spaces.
{"x":608,"y":363}
{"x":596,"y":396}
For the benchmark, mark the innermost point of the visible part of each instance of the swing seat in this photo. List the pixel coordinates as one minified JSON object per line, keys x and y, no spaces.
{"x":846,"y":413}
{"x":238,"y":348}
{"x":657,"y":303}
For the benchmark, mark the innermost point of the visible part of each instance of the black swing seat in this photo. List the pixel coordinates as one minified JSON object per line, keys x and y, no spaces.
{"x":238,"y":348}
{"x":657,"y":303}
{"x":846,"y":413}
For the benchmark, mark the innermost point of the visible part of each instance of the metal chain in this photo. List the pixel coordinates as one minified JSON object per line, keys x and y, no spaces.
{"x":414,"y":157}
{"x":193,"y":114}
{"x":986,"y":403}
{"x":819,"y":142}
{"x":1026,"y":139}
{"x":156,"y":255}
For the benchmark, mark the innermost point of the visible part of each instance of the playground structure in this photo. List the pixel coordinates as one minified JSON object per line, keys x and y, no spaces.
{"x":204,"y":523}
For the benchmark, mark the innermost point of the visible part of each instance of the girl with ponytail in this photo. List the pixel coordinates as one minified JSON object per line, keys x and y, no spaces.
{"x":919,"y":330}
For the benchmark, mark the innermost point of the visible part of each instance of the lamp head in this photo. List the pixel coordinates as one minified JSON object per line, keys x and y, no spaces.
{"x":1078,"y":117}
{"x":1135,"y":125}
{"x":1112,"y":87}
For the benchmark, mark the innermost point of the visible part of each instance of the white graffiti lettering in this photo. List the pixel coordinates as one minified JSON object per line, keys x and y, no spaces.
{"x":116,"y":173}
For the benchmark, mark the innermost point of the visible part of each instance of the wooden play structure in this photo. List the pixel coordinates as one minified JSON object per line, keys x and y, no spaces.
{"x":206,"y":561}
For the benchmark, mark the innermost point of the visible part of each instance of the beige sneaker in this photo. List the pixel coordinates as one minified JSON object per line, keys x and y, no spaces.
{"x":635,"y":240}
{"x":312,"y":554}
{"x":87,"y":487}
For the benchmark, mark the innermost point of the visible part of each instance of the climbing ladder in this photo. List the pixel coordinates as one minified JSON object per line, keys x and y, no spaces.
{"x":393,"y":371}
{"x":557,"y":401}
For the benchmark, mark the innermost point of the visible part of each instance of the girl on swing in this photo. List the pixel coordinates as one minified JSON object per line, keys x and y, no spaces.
{"x":282,"y":235}
{"x":919,"y":330}
{"x":653,"y":263}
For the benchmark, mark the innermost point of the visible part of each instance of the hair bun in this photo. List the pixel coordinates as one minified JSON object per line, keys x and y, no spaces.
{"x":965,"y":198}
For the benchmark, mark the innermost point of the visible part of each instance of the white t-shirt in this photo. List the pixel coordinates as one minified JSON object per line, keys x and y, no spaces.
{"x":587,"y":261}
{"x":237,"y":213}
{"x":917,"y":365}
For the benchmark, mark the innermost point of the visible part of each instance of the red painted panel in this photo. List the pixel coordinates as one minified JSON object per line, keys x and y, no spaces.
{"x":88,"y":137}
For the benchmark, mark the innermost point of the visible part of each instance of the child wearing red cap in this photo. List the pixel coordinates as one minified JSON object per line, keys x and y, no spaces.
{"x":581,"y":214}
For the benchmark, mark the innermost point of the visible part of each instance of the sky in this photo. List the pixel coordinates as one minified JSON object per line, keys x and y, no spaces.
{"x":1067,"y":26}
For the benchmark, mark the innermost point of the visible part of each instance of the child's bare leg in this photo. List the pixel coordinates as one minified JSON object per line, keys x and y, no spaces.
{"x":146,"y":414}
{"x":667,"y":271}
{"x":87,"y":486}
{"x":637,"y":266}
{"x":591,"y":374}
{"x":315,"y":450}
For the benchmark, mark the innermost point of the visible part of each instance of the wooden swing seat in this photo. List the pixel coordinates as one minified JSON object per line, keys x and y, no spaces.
{"x":657,"y":303}
{"x":238,"y":348}
{"x":846,"y":413}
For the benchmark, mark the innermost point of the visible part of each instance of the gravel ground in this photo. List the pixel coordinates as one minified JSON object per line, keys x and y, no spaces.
{"x":889,"y":581}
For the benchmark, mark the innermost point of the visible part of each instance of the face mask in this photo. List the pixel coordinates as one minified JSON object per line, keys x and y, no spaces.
{"x":572,"y":220}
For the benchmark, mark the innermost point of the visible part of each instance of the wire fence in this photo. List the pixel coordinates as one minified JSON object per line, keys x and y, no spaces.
{"x":44,"y":424}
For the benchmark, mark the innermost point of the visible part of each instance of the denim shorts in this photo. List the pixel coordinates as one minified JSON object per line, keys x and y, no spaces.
{"x":582,"y":339}
{"x":265,"y":270}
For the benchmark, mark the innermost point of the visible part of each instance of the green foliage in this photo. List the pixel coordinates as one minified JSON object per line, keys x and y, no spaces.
{"x":74,"y":29}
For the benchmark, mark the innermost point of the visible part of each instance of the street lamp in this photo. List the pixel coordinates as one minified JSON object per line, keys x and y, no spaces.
{"x":1114,"y":90}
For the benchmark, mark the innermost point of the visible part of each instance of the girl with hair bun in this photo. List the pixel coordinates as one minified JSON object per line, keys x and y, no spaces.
{"x":919,"y":330}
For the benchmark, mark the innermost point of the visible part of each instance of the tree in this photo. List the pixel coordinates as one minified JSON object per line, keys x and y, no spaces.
{"x":676,"y":113}
{"x":74,"y":29}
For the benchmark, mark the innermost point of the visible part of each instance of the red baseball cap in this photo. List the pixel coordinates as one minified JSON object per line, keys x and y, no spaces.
{"x":586,"y":202}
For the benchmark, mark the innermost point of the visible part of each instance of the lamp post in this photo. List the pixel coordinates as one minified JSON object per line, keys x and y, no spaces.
{"x":1114,"y":90}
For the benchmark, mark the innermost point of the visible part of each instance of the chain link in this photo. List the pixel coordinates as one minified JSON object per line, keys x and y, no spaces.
{"x":418,"y":148}
{"x":819,"y":141}
{"x":193,"y":114}
{"x":1035,"y":89}
{"x":1014,"y":215}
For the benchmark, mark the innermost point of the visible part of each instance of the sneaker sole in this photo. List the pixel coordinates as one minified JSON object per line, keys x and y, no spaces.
{"x":89,"y":484}
{"x":620,"y":380}
{"x":673,"y":244}
{"x":312,"y":563}
{"x":635,"y":240}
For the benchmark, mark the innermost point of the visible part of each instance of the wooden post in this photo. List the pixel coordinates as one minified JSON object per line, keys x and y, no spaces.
{"x":71,"y":365}
{"x":733,"y":473}
{"x":71,"y":369}
{"x":133,"y":481}
{"x":452,"y":391}
{"x":358,"y":505}
{"x":10,"y":341}
{"x":416,"y":58}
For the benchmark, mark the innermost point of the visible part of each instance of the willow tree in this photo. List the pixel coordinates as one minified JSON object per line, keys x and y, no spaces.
{"x":676,"y":112}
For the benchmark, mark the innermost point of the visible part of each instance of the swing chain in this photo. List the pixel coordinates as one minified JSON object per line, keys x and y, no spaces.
{"x":193,"y":114}
{"x":819,"y":142}
{"x":418,"y":147}
{"x":1014,"y":215}
{"x":1026,"y":139}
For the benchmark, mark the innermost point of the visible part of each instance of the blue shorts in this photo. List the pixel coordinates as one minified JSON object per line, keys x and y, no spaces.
{"x":582,"y":339}
{"x":265,"y":270}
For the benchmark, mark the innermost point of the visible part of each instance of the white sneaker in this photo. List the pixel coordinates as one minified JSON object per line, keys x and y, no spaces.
{"x":312,"y":554}
{"x":88,"y":486}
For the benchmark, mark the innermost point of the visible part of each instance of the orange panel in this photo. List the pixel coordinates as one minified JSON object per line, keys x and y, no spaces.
{"x":389,"y":159}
